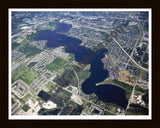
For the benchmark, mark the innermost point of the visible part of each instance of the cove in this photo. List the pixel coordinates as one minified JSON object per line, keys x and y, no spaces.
{"x":105,"y":92}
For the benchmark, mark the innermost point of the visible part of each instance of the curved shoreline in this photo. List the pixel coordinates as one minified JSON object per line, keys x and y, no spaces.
{"x":106,"y":93}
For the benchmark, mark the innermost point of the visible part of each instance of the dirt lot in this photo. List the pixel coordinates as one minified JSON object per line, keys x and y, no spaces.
{"x":126,"y":77}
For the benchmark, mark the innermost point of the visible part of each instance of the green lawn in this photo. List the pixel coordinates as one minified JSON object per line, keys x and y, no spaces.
{"x":56,"y":64}
{"x":67,"y":67}
{"x":29,"y":50}
{"x":83,"y":74}
{"x":27,"y":97}
{"x":18,"y":72}
{"x":32,"y":64}
{"x":25,"y":107}
{"x":139,"y":89}
{"x":136,"y":109}
{"x":29,"y":76}
{"x":107,"y":113}
{"x":66,"y":93}
{"x":50,"y":85}
{"x":23,"y":43}
{"x":22,"y":72}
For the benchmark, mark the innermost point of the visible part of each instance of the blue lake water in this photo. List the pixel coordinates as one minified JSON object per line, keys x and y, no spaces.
{"x":106,"y":93}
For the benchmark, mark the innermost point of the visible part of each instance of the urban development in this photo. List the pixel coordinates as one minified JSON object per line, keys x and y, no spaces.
{"x":80,"y":63}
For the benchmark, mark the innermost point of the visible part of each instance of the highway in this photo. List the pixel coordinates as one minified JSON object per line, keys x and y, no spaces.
{"x":130,"y":56}
{"x":140,"y":38}
{"x":120,"y":47}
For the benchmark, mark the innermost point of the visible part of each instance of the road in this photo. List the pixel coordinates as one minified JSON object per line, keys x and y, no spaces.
{"x":140,"y":38}
{"x":91,"y":102}
{"x":135,"y":46}
{"x":118,"y":44}
{"x":132,"y":95}
{"x":77,"y":80}
{"x":130,"y":57}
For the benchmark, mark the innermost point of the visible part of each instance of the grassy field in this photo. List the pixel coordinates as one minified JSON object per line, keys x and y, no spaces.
{"x":23,"y":43}
{"x":67,"y":67}
{"x":66,"y":92}
{"x":136,"y":109}
{"x":50,"y":85}
{"x":18,"y":72}
{"x":29,"y":50}
{"x":26,"y":98}
{"x":50,"y":26}
{"x":56,"y":64}
{"x":126,"y":77}
{"x":84,"y":74}
{"x":32,"y":64}
{"x":22,"y":72}
{"x":141,"y":74}
{"x":139,"y":89}
{"x":25,"y":107}
{"x":107,"y":113}
{"x":29,"y":76}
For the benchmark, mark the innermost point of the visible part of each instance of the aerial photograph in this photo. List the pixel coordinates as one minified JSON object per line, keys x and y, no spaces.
{"x":79,"y":63}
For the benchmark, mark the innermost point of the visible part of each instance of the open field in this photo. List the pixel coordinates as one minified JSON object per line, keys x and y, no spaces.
{"x":83,"y":74}
{"x":135,"y":109}
{"x":22,"y":72}
{"x":29,"y":76}
{"x":126,"y":77}
{"x":50,"y":85}
{"x":32,"y":64}
{"x":56,"y":64}
{"x":25,"y":107}
{"x":139,"y":89}
{"x":29,"y":50}
{"x":108,"y":113}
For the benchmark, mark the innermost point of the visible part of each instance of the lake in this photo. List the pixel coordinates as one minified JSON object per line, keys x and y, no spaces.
{"x":105,"y":92}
